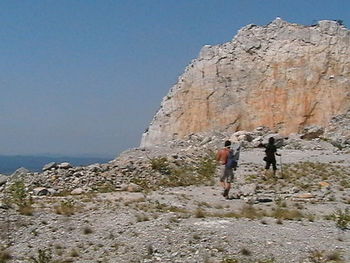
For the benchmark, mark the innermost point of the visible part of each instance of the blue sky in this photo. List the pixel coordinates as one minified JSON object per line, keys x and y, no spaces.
{"x":86,"y":77}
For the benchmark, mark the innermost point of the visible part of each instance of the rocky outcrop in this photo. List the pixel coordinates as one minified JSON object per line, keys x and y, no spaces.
{"x":283,"y":76}
{"x":338,"y":130}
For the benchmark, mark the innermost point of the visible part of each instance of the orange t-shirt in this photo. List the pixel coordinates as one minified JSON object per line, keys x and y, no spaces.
{"x":222,"y":155}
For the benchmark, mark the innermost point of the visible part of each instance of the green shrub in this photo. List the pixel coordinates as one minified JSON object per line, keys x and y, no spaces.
{"x":18,"y":194}
{"x":207,"y":167}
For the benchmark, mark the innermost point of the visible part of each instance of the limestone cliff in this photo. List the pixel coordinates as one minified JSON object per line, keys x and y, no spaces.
{"x":284,"y":76}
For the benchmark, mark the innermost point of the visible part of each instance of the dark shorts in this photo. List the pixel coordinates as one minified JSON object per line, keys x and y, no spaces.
{"x":268,"y":164}
{"x":226,"y":174}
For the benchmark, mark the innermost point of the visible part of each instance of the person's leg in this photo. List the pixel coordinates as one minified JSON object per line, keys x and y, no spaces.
{"x":223,"y":185}
{"x":267,"y":167}
{"x":227,"y":189}
{"x":229,"y":174}
{"x":222,"y":178}
{"x":274,"y":167}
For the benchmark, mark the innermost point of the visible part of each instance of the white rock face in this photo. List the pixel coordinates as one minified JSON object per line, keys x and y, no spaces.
{"x":283,"y":76}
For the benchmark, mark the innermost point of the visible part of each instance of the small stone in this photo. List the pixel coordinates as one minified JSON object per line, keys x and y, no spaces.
{"x":324,"y":184}
{"x":77,"y":191}
{"x":134,"y":188}
{"x":305,"y":196}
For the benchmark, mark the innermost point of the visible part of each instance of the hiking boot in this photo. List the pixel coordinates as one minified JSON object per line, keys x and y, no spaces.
{"x":227,"y":197}
{"x":225,"y":193}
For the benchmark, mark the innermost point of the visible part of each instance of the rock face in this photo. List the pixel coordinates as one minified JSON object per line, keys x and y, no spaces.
{"x":283,"y":76}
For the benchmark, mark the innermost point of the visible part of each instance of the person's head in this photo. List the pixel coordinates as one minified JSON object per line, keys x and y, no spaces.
{"x":271,"y":140}
{"x":227,"y":143}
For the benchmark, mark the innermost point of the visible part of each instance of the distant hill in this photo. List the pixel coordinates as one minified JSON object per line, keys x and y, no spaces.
{"x":8,"y":164}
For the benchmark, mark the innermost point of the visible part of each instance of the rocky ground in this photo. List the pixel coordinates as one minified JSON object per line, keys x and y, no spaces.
{"x":301,"y":216}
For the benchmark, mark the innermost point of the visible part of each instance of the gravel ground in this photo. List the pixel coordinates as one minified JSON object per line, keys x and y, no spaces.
{"x":182,"y":224}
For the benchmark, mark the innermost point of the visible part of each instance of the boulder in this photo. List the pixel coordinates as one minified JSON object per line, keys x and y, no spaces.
{"x":49,"y":166}
{"x":20,"y":172}
{"x":312,"y":132}
{"x":3,"y":179}
{"x":65,"y":165}
{"x":39,"y":191}
{"x":241,"y":136}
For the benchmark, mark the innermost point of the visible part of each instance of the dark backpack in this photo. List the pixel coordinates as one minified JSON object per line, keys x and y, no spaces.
{"x":231,"y":160}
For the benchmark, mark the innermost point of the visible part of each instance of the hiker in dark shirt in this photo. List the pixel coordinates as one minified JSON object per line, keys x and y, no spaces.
{"x":270,"y":151}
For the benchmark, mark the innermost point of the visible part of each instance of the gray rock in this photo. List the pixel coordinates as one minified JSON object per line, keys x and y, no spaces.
{"x":3,"y":205}
{"x":65,"y":165}
{"x":40,"y":191}
{"x":20,"y":172}
{"x":312,"y":132}
{"x":94,"y":168}
{"x":3,"y":179}
{"x":49,"y":166}
{"x":77,"y":191}
{"x":134,"y":188}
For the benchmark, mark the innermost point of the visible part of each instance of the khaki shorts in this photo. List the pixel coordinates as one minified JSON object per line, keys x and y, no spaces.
{"x":226,"y":174}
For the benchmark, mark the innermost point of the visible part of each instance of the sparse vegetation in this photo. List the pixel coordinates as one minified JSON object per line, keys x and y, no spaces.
{"x":199,"y":213}
{"x":87,"y":230}
{"x":179,"y":173}
{"x":230,"y":260}
{"x":142,"y":217}
{"x":250,"y":260}
{"x":287,"y":214}
{"x":318,"y":256}
{"x":307,"y":176}
{"x":246,"y":252}
{"x":5,"y":255}
{"x":43,"y":256}
{"x":161,"y":165}
{"x":17,"y":194}
{"x":74,"y":253}
{"x":249,"y":211}
{"x":341,"y":218}
{"x":66,"y":208}
{"x":206,"y":168}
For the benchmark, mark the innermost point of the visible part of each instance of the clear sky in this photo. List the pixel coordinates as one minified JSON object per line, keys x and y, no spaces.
{"x":86,"y":77}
